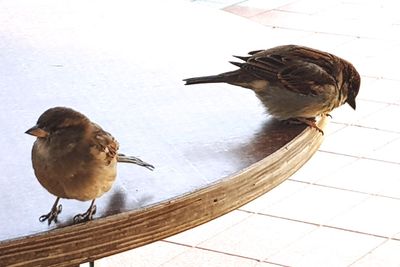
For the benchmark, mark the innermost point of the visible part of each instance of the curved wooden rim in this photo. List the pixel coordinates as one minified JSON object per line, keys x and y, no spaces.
{"x":121,"y":232}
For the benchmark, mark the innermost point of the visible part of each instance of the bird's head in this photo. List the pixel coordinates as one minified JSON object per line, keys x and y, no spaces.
{"x":353,"y":85}
{"x":56,"y":119}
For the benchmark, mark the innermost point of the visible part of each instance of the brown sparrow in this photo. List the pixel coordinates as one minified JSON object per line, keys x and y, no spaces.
{"x":294,"y":82}
{"x":74,"y":158}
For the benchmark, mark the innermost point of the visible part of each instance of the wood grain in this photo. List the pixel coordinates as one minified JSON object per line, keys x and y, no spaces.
{"x":118,"y":233}
{"x":214,"y":146}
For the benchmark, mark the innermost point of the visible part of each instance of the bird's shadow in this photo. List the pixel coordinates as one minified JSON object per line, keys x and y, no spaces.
{"x":119,"y":203}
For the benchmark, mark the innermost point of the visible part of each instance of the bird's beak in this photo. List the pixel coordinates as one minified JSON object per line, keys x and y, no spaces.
{"x":36,"y":131}
{"x":351,"y":102}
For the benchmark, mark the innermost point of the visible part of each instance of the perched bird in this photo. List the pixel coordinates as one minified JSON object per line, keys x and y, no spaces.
{"x":294,"y":82}
{"x":74,"y":158}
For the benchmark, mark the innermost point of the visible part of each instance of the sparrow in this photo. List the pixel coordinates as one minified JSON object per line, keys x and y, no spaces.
{"x":294,"y":83}
{"x":74,"y":158}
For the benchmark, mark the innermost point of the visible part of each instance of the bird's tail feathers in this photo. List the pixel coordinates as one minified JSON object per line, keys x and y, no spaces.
{"x":134,"y":160}
{"x":205,"y":79}
{"x":220,"y":78}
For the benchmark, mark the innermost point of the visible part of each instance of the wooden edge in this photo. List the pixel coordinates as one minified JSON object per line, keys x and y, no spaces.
{"x":114,"y":234}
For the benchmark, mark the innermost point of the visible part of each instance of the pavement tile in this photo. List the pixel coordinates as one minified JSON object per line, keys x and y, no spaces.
{"x":258,"y":237}
{"x":326,"y":247}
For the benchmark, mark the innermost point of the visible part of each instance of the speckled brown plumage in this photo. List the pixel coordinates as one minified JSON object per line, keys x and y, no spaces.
{"x":294,"y":82}
{"x":74,"y":158}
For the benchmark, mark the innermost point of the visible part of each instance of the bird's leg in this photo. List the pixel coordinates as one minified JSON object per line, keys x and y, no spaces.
{"x":300,"y":120}
{"x":53,"y":214}
{"x":88,"y":215}
{"x":310,"y":122}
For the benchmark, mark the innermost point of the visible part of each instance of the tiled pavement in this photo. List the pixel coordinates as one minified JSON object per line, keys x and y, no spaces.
{"x":343,"y":207}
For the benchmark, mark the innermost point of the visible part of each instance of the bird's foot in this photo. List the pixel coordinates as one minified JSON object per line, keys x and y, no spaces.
{"x":87,"y":216}
{"x":52,"y":215}
{"x":310,"y":122}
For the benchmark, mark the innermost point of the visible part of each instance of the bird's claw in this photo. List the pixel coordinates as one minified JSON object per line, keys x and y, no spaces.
{"x":87,"y":216}
{"x":52,"y":215}
{"x":312,"y":123}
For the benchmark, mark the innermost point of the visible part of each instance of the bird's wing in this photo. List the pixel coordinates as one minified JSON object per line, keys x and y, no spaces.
{"x":299,"y":69}
{"x":103,"y":145}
